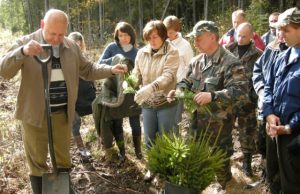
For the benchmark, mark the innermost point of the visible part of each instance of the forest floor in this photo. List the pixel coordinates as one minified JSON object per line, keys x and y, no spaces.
{"x":99,"y":176}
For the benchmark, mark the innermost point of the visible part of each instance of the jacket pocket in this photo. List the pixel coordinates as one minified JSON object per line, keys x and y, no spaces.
{"x":293,"y":88}
{"x":211,"y":83}
{"x":197,"y":85}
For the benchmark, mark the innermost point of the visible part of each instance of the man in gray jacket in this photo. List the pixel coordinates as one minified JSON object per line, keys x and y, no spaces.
{"x":67,"y":65}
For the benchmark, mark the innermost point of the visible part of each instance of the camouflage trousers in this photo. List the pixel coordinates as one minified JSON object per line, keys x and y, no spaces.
{"x":221,"y":129}
{"x":245,"y":118}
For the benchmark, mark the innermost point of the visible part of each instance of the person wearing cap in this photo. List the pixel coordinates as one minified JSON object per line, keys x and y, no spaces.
{"x":219,"y":80}
{"x":238,"y":17}
{"x":281,"y":105}
{"x":271,"y":34}
{"x":244,"y":111}
{"x":266,"y":146}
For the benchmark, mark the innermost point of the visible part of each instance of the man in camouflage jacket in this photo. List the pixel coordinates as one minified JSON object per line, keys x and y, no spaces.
{"x":244,"y":112}
{"x":218,"y":80}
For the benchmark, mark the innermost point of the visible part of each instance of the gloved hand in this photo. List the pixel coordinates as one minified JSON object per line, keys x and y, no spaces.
{"x":143,"y":94}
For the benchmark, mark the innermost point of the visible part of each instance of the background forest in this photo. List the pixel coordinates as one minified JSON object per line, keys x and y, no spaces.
{"x":96,"y":19}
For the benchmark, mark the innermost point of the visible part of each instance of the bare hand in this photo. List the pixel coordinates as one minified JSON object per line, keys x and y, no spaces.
{"x":171,"y":96}
{"x":119,"y":68}
{"x":273,"y":124}
{"x":203,"y":98}
{"x":32,"y":48}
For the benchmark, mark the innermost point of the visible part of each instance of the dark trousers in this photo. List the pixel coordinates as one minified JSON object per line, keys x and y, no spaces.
{"x":268,"y":149}
{"x":134,"y":121}
{"x":289,"y":166}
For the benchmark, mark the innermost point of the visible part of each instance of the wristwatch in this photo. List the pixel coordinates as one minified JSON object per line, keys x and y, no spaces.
{"x":213,"y":96}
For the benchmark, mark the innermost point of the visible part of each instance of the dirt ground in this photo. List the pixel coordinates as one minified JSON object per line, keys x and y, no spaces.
{"x":99,"y":176}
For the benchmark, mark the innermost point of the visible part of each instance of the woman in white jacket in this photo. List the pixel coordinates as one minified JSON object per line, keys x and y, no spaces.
{"x":185,"y":50}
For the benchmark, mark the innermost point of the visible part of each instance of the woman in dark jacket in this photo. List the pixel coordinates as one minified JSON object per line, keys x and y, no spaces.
{"x":124,"y":44}
{"x":86,"y":95}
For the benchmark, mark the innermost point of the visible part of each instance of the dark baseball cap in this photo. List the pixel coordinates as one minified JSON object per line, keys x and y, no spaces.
{"x":203,"y":26}
{"x":291,"y":15}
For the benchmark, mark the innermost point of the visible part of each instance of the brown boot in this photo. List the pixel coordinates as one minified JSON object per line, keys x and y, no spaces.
{"x":137,"y":146}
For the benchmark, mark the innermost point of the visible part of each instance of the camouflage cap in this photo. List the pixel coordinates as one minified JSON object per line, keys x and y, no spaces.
{"x":291,"y":15}
{"x":203,"y":26}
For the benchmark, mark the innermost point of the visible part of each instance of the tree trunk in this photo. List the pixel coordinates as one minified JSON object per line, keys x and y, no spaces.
{"x":46,"y":5}
{"x":29,"y":16}
{"x":141,"y":16}
{"x":129,"y":11}
{"x":241,"y":4}
{"x":101,"y":21}
{"x":90,"y":39}
{"x":282,"y":5}
{"x":205,"y":9}
{"x":194,"y":12}
{"x":223,"y":7}
{"x":165,"y":10}
{"x":70,"y":27}
{"x":153,"y":8}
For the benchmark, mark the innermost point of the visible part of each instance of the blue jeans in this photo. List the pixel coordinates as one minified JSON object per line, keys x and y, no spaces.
{"x":76,"y":125}
{"x":157,"y":120}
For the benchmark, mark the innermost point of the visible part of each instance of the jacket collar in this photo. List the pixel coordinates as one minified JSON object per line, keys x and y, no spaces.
{"x":177,"y":40}
{"x":162,"y":51}
{"x":230,"y":32}
{"x":215,"y":58}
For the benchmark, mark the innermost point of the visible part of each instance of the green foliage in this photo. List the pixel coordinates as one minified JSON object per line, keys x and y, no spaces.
{"x":91,"y":136}
{"x":190,"y":161}
{"x":130,"y":83}
{"x":257,"y":16}
{"x":12,"y":16}
{"x":189,"y":104}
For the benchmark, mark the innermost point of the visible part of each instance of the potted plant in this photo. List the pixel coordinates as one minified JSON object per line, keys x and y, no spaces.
{"x":188,"y":164}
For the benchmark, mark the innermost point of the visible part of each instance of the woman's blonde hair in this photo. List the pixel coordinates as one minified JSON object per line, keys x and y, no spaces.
{"x":77,"y":37}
